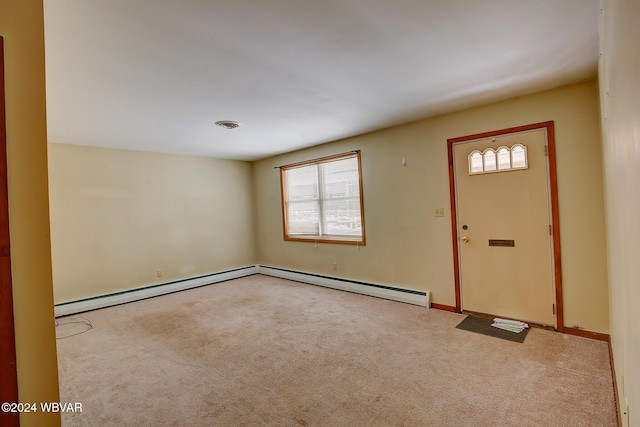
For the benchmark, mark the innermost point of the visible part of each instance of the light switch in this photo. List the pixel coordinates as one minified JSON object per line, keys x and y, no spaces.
{"x":438,"y":212}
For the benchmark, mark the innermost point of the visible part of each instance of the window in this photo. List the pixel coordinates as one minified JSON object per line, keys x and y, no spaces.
{"x":489,"y":160}
{"x":322,"y":200}
{"x":502,"y":160}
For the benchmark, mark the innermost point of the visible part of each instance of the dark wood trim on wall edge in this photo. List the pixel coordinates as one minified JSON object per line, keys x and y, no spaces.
{"x":587,"y":334}
{"x":8,"y":359}
{"x":454,"y":226}
{"x":444,"y":307}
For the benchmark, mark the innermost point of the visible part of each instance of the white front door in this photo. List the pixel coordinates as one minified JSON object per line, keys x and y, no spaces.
{"x":505,"y":248}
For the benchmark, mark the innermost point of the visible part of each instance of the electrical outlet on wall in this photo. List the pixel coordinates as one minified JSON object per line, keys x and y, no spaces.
{"x":335,"y":266}
{"x":160,"y":273}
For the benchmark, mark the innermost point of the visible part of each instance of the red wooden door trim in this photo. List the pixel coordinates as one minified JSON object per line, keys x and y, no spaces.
{"x":8,"y":372}
{"x":555,"y":216}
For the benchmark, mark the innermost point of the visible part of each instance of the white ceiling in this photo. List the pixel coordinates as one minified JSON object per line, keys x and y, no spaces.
{"x":155,"y":75}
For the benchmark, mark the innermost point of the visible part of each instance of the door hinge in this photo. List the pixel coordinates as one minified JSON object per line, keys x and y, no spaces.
{"x":553,"y":308}
{"x":546,"y":150}
{"x":550,"y":230}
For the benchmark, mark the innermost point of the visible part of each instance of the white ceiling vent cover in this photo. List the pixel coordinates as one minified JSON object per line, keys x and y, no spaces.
{"x":227,"y":124}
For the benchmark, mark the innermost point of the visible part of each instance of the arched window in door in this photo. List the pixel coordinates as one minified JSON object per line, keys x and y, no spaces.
{"x":501,"y":160}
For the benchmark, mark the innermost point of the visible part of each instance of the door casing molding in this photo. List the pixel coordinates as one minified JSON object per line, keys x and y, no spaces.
{"x":555,"y":216}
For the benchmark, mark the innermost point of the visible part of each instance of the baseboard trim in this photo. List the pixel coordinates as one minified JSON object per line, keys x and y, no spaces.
{"x":444,"y":307}
{"x":117,"y":298}
{"x":410,"y":296}
{"x":586,"y":334}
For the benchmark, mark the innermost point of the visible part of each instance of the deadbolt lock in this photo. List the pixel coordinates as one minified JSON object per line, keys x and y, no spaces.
{"x":465,"y":239}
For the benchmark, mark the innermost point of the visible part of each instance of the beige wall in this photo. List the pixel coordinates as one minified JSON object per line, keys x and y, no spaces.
{"x":119,"y":216}
{"x":21,"y":25}
{"x":620,"y":95}
{"x":408,"y":247}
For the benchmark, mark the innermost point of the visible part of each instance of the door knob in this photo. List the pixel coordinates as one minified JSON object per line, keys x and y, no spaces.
{"x":465,"y":239}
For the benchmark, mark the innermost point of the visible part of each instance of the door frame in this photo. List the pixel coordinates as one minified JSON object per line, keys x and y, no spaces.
{"x":555,"y":216}
{"x":8,"y":367}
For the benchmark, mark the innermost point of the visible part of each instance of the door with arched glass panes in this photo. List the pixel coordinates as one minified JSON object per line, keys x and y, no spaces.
{"x":505,"y":248}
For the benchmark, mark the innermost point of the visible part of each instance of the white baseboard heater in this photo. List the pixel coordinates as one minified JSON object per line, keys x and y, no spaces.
{"x":410,"y":296}
{"x":117,"y":298}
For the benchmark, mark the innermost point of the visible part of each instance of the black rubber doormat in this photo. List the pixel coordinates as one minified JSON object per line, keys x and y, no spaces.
{"x":483,"y":326}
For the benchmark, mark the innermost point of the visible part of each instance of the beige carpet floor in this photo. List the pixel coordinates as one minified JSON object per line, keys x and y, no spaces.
{"x":262,"y":351}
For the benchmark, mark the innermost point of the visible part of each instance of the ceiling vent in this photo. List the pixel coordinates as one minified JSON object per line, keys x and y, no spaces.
{"x":227,"y":124}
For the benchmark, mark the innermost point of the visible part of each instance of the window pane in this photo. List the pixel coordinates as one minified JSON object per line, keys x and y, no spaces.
{"x":504,"y":158}
{"x":340,"y":178}
{"x":303,"y":217}
{"x":519,"y":156}
{"x":302,"y":183}
{"x":489,"y":160}
{"x":340,"y":197}
{"x":342,"y":217}
{"x":475,"y":162}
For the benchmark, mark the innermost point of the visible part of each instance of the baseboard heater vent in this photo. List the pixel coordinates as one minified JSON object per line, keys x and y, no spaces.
{"x":410,"y":296}
{"x":123,"y":297}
